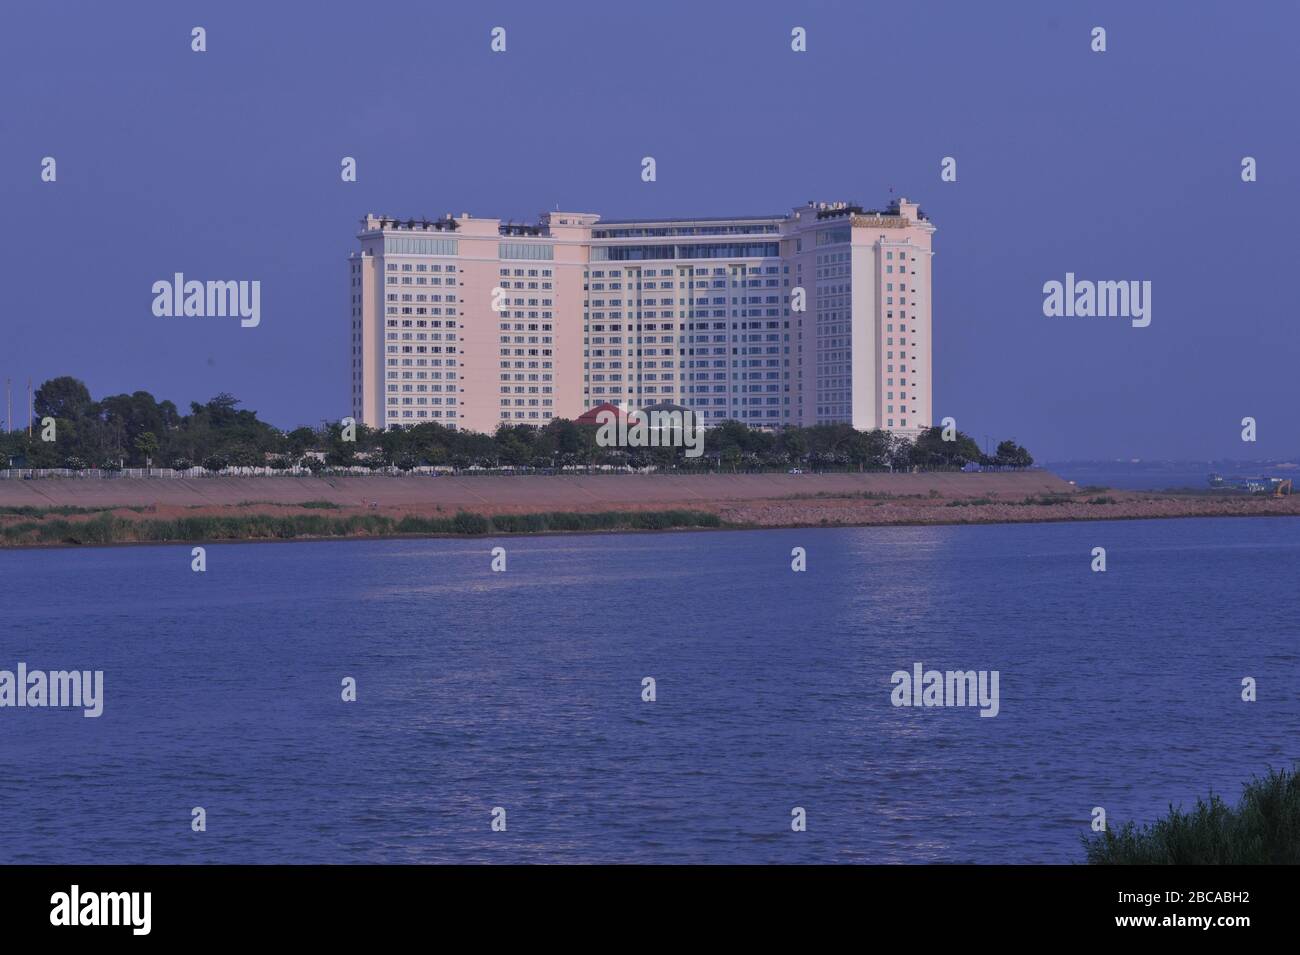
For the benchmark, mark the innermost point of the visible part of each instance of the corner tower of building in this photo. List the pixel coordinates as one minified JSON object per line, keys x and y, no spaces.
{"x":865,"y":339}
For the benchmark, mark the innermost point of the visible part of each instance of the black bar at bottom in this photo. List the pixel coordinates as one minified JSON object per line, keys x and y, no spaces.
{"x":337,"y":903}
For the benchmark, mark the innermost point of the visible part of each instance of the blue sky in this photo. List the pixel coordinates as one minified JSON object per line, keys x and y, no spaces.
{"x":1119,"y":165}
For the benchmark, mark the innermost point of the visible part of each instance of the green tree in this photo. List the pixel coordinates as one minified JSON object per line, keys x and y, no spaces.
{"x":869,"y":449}
{"x":300,"y":440}
{"x":1010,"y":454}
{"x":129,"y":416}
{"x":902,"y":452}
{"x":930,"y":450}
{"x":64,"y":397}
{"x":147,"y":445}
{"x":514,"y":444}
{"x":792,"y":445}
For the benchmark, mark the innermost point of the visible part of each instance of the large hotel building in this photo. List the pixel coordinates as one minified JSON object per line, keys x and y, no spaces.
{"x":477,"y":322}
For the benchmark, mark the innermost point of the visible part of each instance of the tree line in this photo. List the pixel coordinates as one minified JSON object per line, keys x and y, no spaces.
{"x":138,"y":431}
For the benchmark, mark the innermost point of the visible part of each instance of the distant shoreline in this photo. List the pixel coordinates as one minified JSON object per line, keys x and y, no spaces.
{"x":69,"y":512}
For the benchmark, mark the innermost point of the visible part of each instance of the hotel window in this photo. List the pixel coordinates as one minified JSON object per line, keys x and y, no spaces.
{"x":525,"y":250}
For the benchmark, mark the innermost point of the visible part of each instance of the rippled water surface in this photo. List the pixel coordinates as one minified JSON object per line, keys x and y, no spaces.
{"x":523,"y":690}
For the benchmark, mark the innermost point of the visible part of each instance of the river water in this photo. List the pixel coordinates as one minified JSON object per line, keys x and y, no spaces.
{"x":522,"y":690}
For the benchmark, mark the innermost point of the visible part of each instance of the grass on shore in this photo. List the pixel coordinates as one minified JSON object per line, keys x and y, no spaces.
{"x":65,"y":510}
{"x":27,"y":510}
{"x":1036,"y":500}
{"x":110,"y":529}
{"x":854,"y":495}
{"x":1262,"y":829}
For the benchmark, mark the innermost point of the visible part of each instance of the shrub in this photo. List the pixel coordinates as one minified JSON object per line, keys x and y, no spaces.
{"x":1263,"y":829}
{"x":466,"y":523}
{"x":1045,"y":500}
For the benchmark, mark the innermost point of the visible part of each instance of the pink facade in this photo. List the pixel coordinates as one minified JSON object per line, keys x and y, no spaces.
{"x":476,"y":322}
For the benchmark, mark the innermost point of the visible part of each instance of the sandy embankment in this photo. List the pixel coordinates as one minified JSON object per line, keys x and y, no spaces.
{"x":768,"y":500}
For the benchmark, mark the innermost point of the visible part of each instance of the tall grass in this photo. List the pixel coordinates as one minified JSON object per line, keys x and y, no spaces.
{"x":28,"y":510}
{"x":1045,"y":500}
{"x":110,"y":529}
{"x":1262,"y":829}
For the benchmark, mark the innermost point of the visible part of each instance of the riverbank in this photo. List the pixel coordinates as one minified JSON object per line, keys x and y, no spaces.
{"x":83,"y":511}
